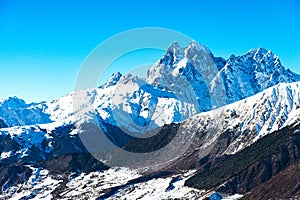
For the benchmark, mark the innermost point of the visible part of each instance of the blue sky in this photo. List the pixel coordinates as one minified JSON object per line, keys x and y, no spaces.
{"x":44,"y":43}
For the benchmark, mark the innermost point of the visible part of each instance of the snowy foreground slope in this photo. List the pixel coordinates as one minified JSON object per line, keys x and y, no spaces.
{"x":219,"y":108}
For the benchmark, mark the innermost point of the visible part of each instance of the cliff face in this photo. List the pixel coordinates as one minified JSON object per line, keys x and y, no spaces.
{"x":255,"y":166}
{"x":284,"y":185}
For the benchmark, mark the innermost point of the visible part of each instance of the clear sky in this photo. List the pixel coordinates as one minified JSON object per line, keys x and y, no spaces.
{"x":43,"y":43}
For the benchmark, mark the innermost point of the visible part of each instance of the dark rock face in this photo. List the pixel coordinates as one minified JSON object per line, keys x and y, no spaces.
{"x":284,"y":185}
{"x":253,"y":166}
{"x":13,"y":175}
{"x":76,"y":162}
{"x":2,"y":124}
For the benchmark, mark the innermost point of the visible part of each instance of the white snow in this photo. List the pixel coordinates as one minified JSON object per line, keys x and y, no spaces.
{"x":39,"y":186}
{"x":254,"y":114}
{"x":233,"y":197}
{"x":92,"y":184}
{"x":159,"y":189}
{"x":5,"y":154}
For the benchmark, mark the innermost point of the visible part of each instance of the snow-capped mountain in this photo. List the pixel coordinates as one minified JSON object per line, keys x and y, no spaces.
{"x":129,"y":103}
{"x":186,"y":81}
{"x":222,"y":107}
{"x":246,"y":120}
{"x":214,"y":81}
{"x":242,"y":122}
{"x":246,"y":75}
{"x":15,"y":112}
{"x":188,"y":73}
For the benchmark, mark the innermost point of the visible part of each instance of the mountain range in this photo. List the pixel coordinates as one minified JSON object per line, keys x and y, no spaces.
{"x":223,"y":129}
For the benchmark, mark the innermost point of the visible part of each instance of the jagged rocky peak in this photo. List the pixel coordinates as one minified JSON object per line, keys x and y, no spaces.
{"x":263,"y":55}
{"x":195,"y":49}
{"x":260,"y":55}
{"x":118,"y":78}
{"x":129,"y":78}
{"x":113,"y":80}
{"x":115,"y":77}
{"x":256,"y":60}
{"x":173,"y":54}
{"x":253,"y":72}
{"x":174,"y":48}
{"x":13,"y":103}
{"x":192,"y":52}
{"x":178,"y":60}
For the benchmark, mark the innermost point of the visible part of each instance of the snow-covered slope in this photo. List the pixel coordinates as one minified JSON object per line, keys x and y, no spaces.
{"x":129,"y":103}
{"x":250,"y":119}
{"x":186,"y":81}
{"x":134,"y":104}
{"x":246,"y":120}
{"x":92,"y":185}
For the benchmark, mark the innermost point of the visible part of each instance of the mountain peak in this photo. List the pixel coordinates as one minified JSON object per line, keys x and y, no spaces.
{"x":195,"y":50}
{"x":113,"y":80}
{"x":262,"y":53}
{"x":13,"y":102}
{"x":174,"y":53}
{"x":253,"y":72}
{"x":174,"y":47}
{"x":194,"y":44}
{"x":261,"y":50}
